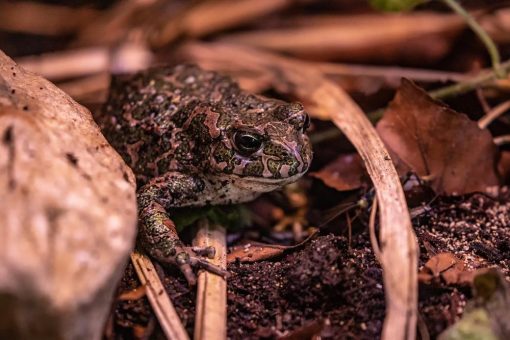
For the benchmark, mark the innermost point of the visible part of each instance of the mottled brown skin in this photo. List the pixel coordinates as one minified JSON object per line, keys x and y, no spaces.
{"x":193,"y":138}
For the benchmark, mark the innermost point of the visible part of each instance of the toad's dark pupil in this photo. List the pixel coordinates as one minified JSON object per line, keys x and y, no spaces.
{"x":247,"y":143}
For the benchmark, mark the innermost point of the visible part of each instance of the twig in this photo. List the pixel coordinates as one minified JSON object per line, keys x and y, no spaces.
{"x":493,"y":114}
{"x":349,"y":230}
{"x":68,"y":64}
{"x":482,"y":35}
{"x":127,"y":57}
{"x":160,"y":301}
{"x":203,"y":18}
{"x":482,"y":100}
{"x":423,"y":75}
{"x":500,"y":140}
{"x":43,"y":19}
{"x":355,"y":37}
{"x":211,"y":313}
{"x":484,"y":78}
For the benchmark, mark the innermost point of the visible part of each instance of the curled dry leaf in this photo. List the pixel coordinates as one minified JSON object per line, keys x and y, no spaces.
{"x":438,"y":143}
{"x":448,"y":268}
{"x":344,"y":173}
{"x":133,"y":294}
{"x":255,"y":251}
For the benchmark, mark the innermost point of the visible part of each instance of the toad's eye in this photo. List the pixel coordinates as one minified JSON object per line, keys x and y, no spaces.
{"x":247,"y":142}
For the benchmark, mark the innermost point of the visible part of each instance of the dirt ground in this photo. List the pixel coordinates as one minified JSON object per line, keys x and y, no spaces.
{"x":334,"y":289}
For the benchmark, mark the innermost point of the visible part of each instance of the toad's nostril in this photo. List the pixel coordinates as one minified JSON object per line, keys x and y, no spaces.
{"x":300,"y":121}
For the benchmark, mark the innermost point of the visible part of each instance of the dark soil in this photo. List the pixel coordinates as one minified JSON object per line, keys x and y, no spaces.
{"x":336,"y":290}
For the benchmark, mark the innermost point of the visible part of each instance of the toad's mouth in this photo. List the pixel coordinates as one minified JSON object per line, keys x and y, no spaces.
{"x":260,"y":184}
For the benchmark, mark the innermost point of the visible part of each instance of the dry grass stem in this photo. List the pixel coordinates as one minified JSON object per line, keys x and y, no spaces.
{"x":371,"y":228}
{"x":493,"y":114}
{"x":160,"y":301}
{"x":211,"y":313}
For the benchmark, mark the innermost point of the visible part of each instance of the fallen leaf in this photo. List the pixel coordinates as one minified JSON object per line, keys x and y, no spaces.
{"x":345,"y":173}
{"x":442,"y":262}
{"x":255,"y":251}
{"x":133,"y":294}
{"x":448,"y":268}
{"x":438,"y":143}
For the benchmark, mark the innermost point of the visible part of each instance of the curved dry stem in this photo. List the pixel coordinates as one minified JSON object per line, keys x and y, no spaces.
{"x":371,"y":228}
{"x":493,"y":114}
{"x":482,"y":35}
{"x":500,"y":140}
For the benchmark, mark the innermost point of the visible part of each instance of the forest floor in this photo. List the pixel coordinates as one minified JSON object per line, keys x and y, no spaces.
{"x":333,"y":288}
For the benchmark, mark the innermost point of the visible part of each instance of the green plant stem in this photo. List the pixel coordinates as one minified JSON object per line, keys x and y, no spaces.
{"x":484,"y":78}
{"x":482,"y":35}
{"x":462,"y":87}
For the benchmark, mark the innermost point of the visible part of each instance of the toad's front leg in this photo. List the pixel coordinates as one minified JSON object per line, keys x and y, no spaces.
{"x":157,"y":234}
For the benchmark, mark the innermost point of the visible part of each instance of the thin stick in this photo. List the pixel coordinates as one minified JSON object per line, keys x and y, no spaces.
{"x":500,"y":140}
{"x":211,"y":313}
{"x":160,"y":301}
{"x":482,"y":35}
{"x":349,"y":230}
{"x":43,"y":19}
{"x":493,"y":114}
{"x":371,"y":228}
{"x":423,"y":75}
{"x":484,"y":78}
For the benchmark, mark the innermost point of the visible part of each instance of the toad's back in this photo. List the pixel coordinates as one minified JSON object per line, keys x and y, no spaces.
{"x":144,"y":116}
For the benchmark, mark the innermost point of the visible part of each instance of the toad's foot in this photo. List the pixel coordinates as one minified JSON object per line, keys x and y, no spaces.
{"x":158,"y":237}
{"x":189,"y":258}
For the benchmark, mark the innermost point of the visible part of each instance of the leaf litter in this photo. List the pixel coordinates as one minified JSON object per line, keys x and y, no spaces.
{"x":441,"y":145}
{"x":330,"y":287}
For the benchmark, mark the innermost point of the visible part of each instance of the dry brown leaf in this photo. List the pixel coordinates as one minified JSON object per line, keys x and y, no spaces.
{"x":255,"y":251}
{"x":443,"y":262}
{"x":448,"y":268}
{"x":438,"y":143}
{"x":133,"y":294}
{"x":344,"y":173}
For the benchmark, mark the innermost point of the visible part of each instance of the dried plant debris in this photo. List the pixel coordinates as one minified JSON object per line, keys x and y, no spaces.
{"x":324,"y":280}
{"x":256,"y":251}
{"x":334,"y":290}
{"x":134,"y":317}
{"x":447,"y":268}
{"x":475,"y":228}
{"x":439,"y":144}
{"x":346,"y":172}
